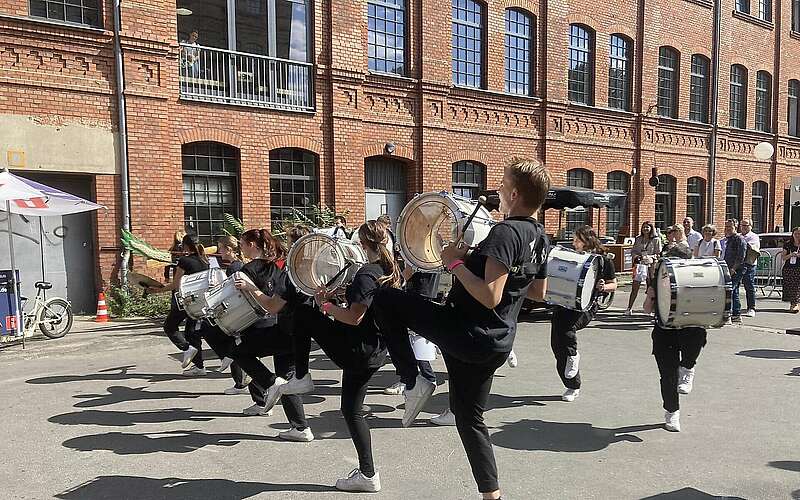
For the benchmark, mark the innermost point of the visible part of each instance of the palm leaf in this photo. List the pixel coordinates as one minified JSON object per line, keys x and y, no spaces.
{"x":141,"y":247}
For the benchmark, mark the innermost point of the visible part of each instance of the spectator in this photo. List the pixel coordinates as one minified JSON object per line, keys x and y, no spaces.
{"x":692,"y":237}
{"x":709,"y":246}
{"x":735,"y":253}
{"x":190,"y":56}
{"x":646,"y":248}
{"x":751,"y":259}
{"x":340,"y":228}
{"x":676,"y":244}
{"x":791,"y":271}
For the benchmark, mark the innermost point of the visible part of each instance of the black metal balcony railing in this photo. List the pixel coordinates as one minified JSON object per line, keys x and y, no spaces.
{"x":216,"y":75}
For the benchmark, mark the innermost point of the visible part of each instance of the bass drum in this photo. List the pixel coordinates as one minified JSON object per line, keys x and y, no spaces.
{"x":431,"y":220}
{"x":317,"y":260}
{"x":192,"y":294}
{"x":705,"y":293}
{"x":571,"y":278}
{"x":233,"y":310}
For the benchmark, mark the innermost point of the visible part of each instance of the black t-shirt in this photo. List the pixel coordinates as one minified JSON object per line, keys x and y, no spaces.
{"x":232,"y":267}
{"x":519,"y":243}
{"x":607,"y":271}
{"x":424,"y":284}
{"x":790,"y":247}
{"x":192,"y":264}
{"x":364,"y":337}
{"x":272,"y":280}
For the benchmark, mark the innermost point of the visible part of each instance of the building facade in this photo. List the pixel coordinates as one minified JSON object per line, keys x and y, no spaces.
{"x":258,"y":107}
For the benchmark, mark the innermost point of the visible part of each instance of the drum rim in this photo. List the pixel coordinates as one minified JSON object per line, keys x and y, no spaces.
{"x":332,"y":241}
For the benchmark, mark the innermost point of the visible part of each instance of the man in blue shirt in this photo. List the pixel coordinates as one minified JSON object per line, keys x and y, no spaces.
{"x":735,"y":252}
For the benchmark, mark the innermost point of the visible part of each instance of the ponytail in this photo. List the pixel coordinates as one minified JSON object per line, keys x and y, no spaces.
{"x":375,"y":237}
{"x":271,"y":248}
{"x":192,"y":243}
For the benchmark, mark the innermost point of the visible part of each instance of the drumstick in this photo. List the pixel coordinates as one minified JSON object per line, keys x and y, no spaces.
{"x":481,"y":202}
{"x":336,"y":276}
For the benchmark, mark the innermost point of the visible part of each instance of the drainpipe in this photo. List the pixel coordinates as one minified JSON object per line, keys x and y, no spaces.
{"x":712,"y":147}
{"x":123,"y":139}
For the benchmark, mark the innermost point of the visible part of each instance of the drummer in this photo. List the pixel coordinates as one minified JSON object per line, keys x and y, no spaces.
{"x":564,"y":323}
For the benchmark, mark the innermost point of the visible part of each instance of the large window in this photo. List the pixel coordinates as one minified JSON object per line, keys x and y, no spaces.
{"x":292,"y":182}
{"x":668,"y":63}
{"x":386,"y":32}
{"x":72,"y":11}
{"x":763,"y":101}
{"x":738,"y":104}
{"x":468,"y":43}
{"x":743,"y":6}
{"x":760,"y":198}
{"x":577,"y":217}
{"x":469,"y":179}
{"x":695,"y":194}
{"x":733,"y":199}
{"x":210,"y":187}
{"x":580,"y":79}
{"x":619,"y":73}
{"x":794,"y":113}
{"x":520,"y":51}
{"x":665,"y":202}
{"x":616,"y":181}
{"x":765,"y":10}
{"x":796,"y":16}
{"x":698,"y":93}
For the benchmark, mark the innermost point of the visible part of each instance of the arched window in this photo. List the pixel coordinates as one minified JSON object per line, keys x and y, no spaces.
{"x":760,"y":199}
{"x":698,"y":92}
{"x":733,"y":199}
{"x":763,"y":101}
{"x":668,"y":67}
{"x":794,"y":115}
{"x":292,"y":182}
{"x":665,"y":201}
{"x":619,"y":72}
{"x":738,"y":103}
{"x":520,"y":51}
{"x":580,"y":79}
{"x":469,"y":46}
{"x":695,"y":196}
{"x":616,"y":181}
{"x":386,"y":32}
{"x":210,"y":187}
{"x":469,"y":179}
{"x":577,"y":217}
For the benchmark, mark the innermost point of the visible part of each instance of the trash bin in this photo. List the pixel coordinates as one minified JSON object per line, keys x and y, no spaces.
{"x":8,"y":304}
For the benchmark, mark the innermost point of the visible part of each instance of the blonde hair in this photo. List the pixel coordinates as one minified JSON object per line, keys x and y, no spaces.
{"x":374,"y":236}
{"x":231,"y":244}
{"x":677,"y":228}
{"x":531,"y":179}
{"x":710,"y":227}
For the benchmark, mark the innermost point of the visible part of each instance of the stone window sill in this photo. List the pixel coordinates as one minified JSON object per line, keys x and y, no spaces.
{"x":709,"y":4}
{"x":59,"y":24}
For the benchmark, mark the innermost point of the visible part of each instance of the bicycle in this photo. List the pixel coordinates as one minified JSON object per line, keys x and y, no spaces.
{"x":53,"y":316}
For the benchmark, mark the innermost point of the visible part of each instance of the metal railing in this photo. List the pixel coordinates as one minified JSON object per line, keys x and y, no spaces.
{"x":216,"y":75}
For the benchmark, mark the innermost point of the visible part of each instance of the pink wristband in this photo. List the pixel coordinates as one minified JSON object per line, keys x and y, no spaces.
{"x":455,"y":264}
{"x":326,"y":307}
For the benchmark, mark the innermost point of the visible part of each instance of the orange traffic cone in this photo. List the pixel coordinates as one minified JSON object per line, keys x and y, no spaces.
{"x":102,"y":310}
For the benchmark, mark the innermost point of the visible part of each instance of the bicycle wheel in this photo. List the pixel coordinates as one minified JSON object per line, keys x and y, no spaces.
{"x":55,"y":318}
{"x":605,"y":300}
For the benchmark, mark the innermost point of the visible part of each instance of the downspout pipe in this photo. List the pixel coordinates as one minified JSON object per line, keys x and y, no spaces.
{"x":712,"y":146}
{"x":123,"y":139}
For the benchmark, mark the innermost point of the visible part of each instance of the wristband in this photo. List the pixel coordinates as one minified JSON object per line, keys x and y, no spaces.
{"x":326,"y":307}
{"x":455,"y":264}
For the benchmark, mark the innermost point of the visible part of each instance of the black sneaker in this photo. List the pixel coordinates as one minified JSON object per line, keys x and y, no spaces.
{"x":736,"y":319}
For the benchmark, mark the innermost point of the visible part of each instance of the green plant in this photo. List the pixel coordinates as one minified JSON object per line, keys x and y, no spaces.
{"x":232,"y":226}
{"x":321,"y":216}
{"x":126,"y":302}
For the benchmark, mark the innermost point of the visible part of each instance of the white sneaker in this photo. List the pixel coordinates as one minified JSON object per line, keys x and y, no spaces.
{"x":685,"y":380}
{"x":445,"y":418}
{"x":357,"y":481}
{"x":304,"y":436}
{"x":628,"y":312}
{"x":230,"y":391}
{"x":188,"y":356}
{"x":512,"y":360}
{"x":416,"y":399}
{"x":225,"y":364}
{"x":255,"y":410}
{"x":570,"y":395}
{"x":395,"y":389}
{"x":672,"y":421}
{"x":750,"y":313}
{"x":298,"y":386}
{"x":274,"y":392}
{"x":194,"y":372}
{"x":572,"y":367}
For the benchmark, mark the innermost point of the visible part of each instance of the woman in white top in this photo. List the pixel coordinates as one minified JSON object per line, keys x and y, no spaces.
{"x":709,"y":246}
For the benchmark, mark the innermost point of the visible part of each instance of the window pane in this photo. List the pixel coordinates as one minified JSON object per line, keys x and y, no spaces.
{"x":794,"y":94}
{"x":698,"y":93}
{"x":467,"y":37}
{"x":386,"y":32}
{"x":763,"y":101}
{"x":616,"y":181}
{"x":665,"y":202}
{"x":291,"y":26}
{"x":738,"y":108}
{"x":469,"y":179}
{"x":293,"y":182}
{"x":619,"y":73}
{"x":667,"y":82}
{"x":519,"y":52}
{"x":579,"y":216}
{"x":580,"y":79}
{"x":695,"y":194}
{"x":210,"y":19}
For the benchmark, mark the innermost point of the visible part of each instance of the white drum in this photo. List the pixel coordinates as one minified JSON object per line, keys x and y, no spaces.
{"x":233,"y":310}
{"x":320,"y":260}
{"x":571,"y":278}
{"x":192,"y":294}
{"x":431,"y":220}
{"x":705,"y":293}
{"x":424,"y":349}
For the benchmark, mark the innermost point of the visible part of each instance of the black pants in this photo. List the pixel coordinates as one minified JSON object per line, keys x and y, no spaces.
{"x":564,"y":342}
{"x":426,"y":370}
{"x":674,"y":348}
{"x":470,"y":361}
{"x":223,"y":345}
{"x":359,"y":359}
{"x":189,"y":337}
{"x":272,"y":341}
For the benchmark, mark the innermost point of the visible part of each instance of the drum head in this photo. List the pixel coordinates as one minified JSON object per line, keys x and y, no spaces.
{"x":315,"y":259}
{"x":590,"y":282}
{"x":663,"y":290}
{"x":426,"y":224}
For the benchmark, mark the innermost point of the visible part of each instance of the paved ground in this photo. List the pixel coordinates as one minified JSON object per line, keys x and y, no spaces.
{"x":104,"y":414}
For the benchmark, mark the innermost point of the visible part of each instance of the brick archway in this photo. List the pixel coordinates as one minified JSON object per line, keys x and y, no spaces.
{"x":210,"y":134}
{"x":294,"y":141}
{"x":401,"y":152}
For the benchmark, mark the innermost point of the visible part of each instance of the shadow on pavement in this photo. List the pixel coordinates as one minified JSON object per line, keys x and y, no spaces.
{"x":116,"y":374}
{"x":130,"y":418}
{"x":689,"y":494}
{"x":120,"y":394}
{"x":769,"y":354}
{"x":122,"y":443}
{"x":790,"y":465}
{"x":103,"y":487}
{"x":572,"y":437}
{"x":795,"y":372}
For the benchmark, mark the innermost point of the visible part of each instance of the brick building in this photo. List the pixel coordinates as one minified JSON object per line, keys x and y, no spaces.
{"x":358,"y":104}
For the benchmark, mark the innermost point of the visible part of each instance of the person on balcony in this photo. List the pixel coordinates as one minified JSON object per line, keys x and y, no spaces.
{"x":190,"y":56}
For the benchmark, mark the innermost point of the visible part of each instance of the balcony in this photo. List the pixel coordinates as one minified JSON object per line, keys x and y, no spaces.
{"x":209,"y":74}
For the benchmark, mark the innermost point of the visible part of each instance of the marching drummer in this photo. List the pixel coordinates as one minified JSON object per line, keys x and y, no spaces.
{"x":565,"y":323}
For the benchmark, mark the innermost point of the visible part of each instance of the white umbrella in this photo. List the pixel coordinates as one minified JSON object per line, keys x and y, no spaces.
{"x":26,"y":197}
